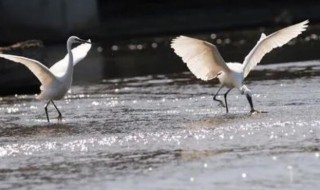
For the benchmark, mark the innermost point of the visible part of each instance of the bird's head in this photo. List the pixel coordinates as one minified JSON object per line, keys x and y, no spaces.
{"x":75,"y":39}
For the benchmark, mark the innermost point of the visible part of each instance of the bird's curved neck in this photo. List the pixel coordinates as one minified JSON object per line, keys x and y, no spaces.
{"x":69,"y":70}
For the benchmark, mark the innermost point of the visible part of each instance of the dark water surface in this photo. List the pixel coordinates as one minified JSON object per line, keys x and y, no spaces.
{"x":165,"y":132}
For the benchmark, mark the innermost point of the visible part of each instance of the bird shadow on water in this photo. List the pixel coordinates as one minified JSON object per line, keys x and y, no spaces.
{"x":223,"y":120}
{"x":50,"y":129}
{"x":142,"y":160}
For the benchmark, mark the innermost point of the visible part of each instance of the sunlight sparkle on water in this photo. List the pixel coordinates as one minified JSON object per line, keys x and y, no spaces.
{"x":95,"y":103}
{"x":154,"y":45}
{"x":12,"y":110}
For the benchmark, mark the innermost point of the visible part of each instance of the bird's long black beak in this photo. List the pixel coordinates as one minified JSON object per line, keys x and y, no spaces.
{"x":83,"y":41}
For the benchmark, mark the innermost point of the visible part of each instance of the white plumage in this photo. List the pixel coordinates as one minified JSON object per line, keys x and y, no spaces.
{"x":267,"y":43}
{"x":194,"y":51}
{"x":78,"y":53}
{"x":205,"y":62}
{"x":56,"y":81}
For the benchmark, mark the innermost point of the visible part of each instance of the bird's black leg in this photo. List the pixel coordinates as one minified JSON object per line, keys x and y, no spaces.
{"x":60,"y":115}
{"x":250,"y":102}
{"x":225,"y":99}
{"x":46,"y":110}
{"x":215,"y":97}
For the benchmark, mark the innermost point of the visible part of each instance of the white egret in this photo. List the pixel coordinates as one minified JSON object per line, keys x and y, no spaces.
{"x":205,"y":62}
{"x":56,"y":80}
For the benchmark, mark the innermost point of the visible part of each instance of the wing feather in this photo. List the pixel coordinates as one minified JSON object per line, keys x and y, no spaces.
{"x":202,"y":58}
{"x":38,"y":69}
{"x":267,"y":43}
{"x":79,"y":53}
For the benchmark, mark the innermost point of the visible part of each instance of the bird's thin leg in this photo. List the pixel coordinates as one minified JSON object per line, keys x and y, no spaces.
{"x":225,"y":99}
{"x":250,"y":102}
{"x":46,"y":110}
{"x":60,"y":115}
{"x":215,"y":97}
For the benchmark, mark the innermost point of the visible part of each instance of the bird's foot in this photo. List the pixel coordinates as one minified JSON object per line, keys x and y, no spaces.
{"x":253,"y":111}
{"x":59,"y":118}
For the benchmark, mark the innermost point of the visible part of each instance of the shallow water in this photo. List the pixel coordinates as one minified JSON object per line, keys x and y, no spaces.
{"x":165,"y":132}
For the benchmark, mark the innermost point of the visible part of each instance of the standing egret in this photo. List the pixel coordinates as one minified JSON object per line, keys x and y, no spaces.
{"x":56,"y":80}
{"x":205,"y":62}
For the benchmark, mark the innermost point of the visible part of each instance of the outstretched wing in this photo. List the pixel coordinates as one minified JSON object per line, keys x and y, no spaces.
{"x":202,"y":58}
{"x":267,"y":43}
{"x":79,"y":53}
{"x":39,"y":70}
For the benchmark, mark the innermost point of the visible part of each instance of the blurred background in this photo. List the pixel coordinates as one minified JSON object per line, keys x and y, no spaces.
{"x":132,"y":38}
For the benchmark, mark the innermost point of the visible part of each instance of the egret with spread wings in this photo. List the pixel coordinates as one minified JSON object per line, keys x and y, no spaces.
{"x":56,"y":80}
{"x":205,"y":62}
